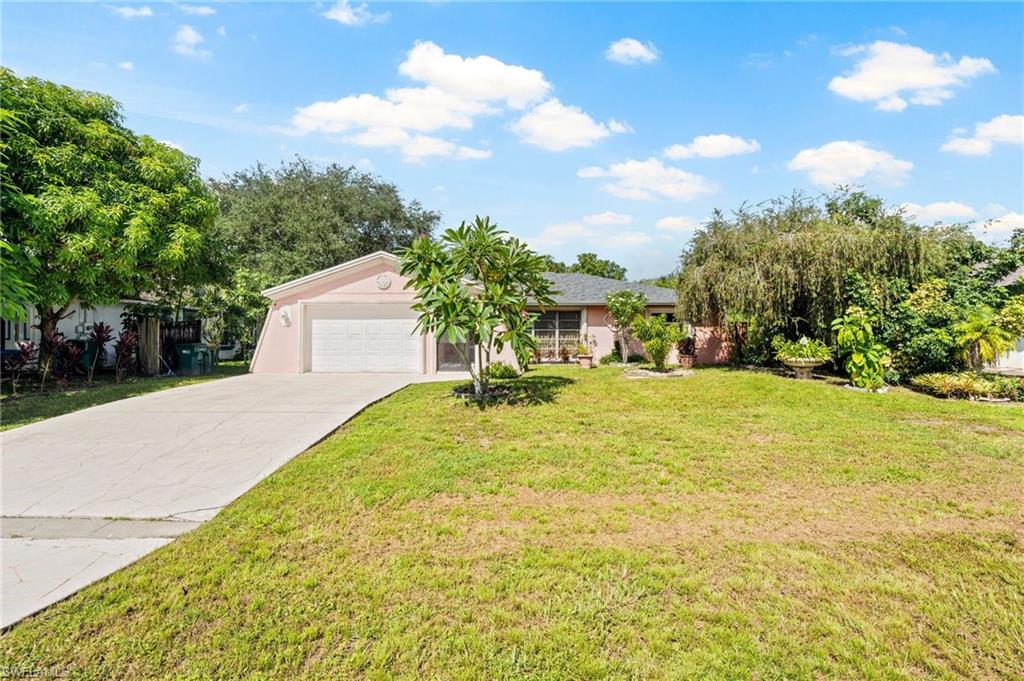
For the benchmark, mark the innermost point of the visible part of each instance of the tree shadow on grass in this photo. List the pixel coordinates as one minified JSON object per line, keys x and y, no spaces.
{"x":523,"y":391}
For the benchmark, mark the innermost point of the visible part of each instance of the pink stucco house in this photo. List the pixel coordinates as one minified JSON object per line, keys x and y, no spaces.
{"x":356,"y":317}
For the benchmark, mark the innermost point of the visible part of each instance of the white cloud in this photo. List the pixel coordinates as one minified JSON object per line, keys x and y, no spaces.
{"x":631,"y":51}
{"x":553,"y":236}
{"x":627,"y":239}
{"x":644,"y":180}
{"x":940,"y":211}
{"x":607,"y":218}
{"x":221,"y":31}
{"x":171,"y":144}
{"x":197,"y":10}
{"x":423,"y":109}
{"x":355,"y":15}
{"x":712,"y":146}
{"x":887,"y":73}
{"x":843,"y":162}
{"x":187,"y":41}
{"x":481,"y":78}
{"x":557,"y":127}
{"x":619,"y":126}
{"x":1000,"y":228}
{"x":415,"y":148}
{"x":456,"y":91}
{"x":241,"y":108}
{"x":130,"y":11}
{"x":126,"y":65}
{"x":677,"y":223}
{"x":1003,"y":129}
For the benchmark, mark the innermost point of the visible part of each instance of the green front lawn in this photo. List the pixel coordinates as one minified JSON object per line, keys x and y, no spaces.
{"x":726,"y":525}
{"x":31,"y":406}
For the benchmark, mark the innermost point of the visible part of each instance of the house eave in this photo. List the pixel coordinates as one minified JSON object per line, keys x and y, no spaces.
{"x":301,"y":283}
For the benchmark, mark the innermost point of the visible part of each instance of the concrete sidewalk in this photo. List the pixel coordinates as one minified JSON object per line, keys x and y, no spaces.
{"x":169,"y":460}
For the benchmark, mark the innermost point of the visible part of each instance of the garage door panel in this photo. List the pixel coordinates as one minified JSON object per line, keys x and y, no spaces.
{"x":338,"y":344}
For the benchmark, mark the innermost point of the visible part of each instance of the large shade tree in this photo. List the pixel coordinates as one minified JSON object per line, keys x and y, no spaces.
{"x":588,"y":263}
{"x":296,"y":219}
{"x":300,"y":218}
{"x":784,"y":265}
{"x":473,"y":284}
{"x":95,"y":212}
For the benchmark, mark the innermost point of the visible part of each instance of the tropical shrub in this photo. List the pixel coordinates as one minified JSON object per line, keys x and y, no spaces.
{"x":501,"y":370}
{"x":125,"y":359}
{"x":1011,"y":316}
{"x":614,"y":357}
{"x":805,"y":349}
{"x":16,"y":364}
{"x":969,"y":385}
{"x":687,"y":343}
{"x":980,"y":338}
{"x":658,"y":337}
{"x":100,"y":334}
{"x":865,"y":359}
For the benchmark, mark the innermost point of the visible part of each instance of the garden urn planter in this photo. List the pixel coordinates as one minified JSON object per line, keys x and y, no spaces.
{"x":687,"y":361}
{"x":586,"y":361}
{"x":802,"y":367}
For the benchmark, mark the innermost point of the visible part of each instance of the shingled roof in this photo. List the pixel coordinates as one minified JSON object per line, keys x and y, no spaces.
{"x":1012,"y":278}
{"x":586,"y":289}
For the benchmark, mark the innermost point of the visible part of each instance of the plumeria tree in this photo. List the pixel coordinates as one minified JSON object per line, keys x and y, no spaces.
{"x":625,"y":307}
{"x":473,"y":284}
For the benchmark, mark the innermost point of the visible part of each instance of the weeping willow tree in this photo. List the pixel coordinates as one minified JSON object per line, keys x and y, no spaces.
{"x":782,"y":266}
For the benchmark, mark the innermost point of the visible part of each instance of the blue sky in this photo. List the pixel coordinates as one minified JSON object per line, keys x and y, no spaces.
{"x":614,"y":128}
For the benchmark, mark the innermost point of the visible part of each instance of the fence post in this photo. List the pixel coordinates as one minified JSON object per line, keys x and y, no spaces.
{"x":149,"y":346}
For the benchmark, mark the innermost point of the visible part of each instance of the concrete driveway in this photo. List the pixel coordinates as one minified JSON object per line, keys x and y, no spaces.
{"x":87,"y":493}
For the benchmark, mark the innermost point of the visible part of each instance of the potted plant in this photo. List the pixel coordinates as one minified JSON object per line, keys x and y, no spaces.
{"x":802,"y":356}
{"x":585,"y":352}
{"x":686,"y":348}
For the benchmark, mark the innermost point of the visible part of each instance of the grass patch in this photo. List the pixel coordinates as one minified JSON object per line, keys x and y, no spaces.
{"x":725,"y":525}
{"x":29,"y":407}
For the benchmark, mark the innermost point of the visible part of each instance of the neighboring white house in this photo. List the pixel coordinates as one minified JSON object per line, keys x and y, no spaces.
{"x":1013,"y":361}
{"x":76,"y":325}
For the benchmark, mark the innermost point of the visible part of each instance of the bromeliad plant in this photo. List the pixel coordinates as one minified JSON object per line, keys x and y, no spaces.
{"x":473,"y":285}
{"x":803,"y":349}
{"x":865,"y":358}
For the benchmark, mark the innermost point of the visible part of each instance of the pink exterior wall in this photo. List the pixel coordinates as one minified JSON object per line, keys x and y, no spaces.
{"x":279,"y":349}
{"x":713,"y":345}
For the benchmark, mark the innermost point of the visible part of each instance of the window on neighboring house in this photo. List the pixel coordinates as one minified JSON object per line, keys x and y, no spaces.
{"x":670,"y":317}
{"x":555,"y":330}
{"x":15,"y":331}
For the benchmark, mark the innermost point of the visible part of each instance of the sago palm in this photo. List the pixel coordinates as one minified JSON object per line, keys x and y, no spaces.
{"x":981,"y":339}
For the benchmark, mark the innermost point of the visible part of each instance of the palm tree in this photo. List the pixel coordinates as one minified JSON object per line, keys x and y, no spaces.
{"x":981,"y":339}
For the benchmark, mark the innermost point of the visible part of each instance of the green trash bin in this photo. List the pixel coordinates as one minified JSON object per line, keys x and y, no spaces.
{"x":205,"y":359}
{"x":189,"y":359}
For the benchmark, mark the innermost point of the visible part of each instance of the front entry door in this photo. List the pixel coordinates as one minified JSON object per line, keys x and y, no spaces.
{"x":448,"y":358}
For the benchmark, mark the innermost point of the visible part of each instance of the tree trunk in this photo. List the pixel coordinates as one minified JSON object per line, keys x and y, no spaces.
{"x":624,"y":347}
{"x":48,"y":319}
{"x":149,"y":346}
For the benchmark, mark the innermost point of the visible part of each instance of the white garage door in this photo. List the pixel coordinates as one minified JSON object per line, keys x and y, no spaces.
{"x":342,"y":345}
